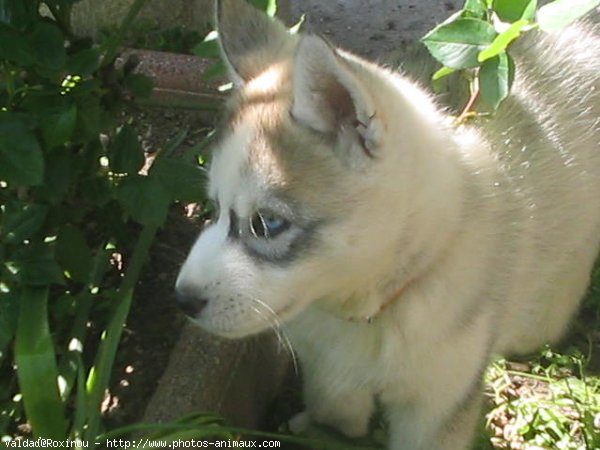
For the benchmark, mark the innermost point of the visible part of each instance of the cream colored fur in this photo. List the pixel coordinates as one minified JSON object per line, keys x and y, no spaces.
{"x":432,"y":246}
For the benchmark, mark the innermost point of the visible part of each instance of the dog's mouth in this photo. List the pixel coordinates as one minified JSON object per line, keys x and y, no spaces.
{"x":256,"y":319}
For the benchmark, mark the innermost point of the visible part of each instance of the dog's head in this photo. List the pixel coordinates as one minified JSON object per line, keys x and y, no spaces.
{"x":296,"y":175}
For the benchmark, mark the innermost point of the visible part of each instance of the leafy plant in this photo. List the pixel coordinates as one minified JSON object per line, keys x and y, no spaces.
{"x":77,"y":193}
{"x":204,"y":426}
{"x":477,"y":40}
{"x":78,"y":199}
{"x":549,"y":402}
{"x":154,"y":37}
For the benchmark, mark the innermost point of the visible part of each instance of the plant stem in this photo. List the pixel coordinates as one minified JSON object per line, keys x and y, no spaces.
{"x":468,"y":110}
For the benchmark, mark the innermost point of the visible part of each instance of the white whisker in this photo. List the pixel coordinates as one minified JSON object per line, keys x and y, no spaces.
{"x":275,"y":323}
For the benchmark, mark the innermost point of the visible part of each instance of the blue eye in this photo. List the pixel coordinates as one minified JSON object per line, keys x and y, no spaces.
{"x":266,"y":225}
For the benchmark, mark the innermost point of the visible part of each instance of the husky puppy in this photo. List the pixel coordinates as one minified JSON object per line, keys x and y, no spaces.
{"x":397,"y":250}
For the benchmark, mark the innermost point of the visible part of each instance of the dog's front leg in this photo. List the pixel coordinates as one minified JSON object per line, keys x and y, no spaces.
{"x":347,"y":411}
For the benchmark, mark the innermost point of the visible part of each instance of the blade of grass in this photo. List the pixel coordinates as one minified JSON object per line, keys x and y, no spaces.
{"x":195,"y":420}
{"x":68,"y":364}
{"x":36,"y":366}
{"x":98,"y":383}
{"x":80,"y":401}
{"x":174,"y":431}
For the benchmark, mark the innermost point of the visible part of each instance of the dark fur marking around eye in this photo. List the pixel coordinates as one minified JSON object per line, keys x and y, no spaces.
{"x":301,"y":245}
{"x":234,"y":225}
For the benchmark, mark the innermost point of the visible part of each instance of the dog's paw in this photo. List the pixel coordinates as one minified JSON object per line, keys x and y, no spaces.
{"x":352,"y":428}
{"x":349,"y":423}
{"x":302,"y":422}
{"x":299,"y":423}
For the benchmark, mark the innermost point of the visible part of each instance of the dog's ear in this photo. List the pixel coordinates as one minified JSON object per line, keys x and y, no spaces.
{"x":250,"y":40}
{"x":330,"y":98}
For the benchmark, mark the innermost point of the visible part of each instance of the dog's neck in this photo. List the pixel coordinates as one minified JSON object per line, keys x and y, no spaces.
{"x":388,"y":302}
{"x":366,"y":306}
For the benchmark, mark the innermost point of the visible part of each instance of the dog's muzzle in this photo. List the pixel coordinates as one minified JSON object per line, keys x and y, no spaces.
{"x":190,"y":303}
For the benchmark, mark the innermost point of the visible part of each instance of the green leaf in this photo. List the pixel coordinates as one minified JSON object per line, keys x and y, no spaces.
{"x":17,"y":13}
{"x":96,"y":191}
{"x":58,"y":125}
{"x":140,"y":85}
{"x":79,"y":415}
{"x":21,"y":157}
{"x":23,"y":221}
{"x":513,"y":10}
{"x":475,"y":8}
{"x":89,"y":119}
{"x":84,"y":62}
{"x":36,"y":367}
{"x":443,"y":72}
{"x":183,"y":181}
{"x":503,"y":40}
{"x":216,"y":70}
{"x":495,"y":79}
{"x":209,"y":47}
{"x":19,"y":51}
{"x":125,"y":152}
{"x":561,"y":13}
{"x":58,"y":176}
{"x":73,"y":253}
{"x":41,"y":271}
{"x":144,"y":199}
{"x":456,"y":44}
{"x":49,"y":43}
{"x":268,"y":6}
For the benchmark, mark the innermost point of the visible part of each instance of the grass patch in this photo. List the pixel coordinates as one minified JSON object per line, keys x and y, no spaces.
{"x":547,"y":402}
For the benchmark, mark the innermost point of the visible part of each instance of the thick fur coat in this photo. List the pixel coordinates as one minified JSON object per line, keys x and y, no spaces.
{"x":397,"y":251}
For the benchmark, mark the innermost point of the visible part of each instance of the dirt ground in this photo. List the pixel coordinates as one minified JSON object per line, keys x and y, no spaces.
{"x":372,"y":28}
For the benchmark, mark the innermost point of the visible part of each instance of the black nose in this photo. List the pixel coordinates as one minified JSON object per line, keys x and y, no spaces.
{"x":190,"y":303}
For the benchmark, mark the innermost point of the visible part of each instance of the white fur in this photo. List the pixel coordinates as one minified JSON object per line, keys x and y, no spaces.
{"x":486,"y":235}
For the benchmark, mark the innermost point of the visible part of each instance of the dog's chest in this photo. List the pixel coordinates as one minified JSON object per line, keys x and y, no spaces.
{"x":356,"y":354}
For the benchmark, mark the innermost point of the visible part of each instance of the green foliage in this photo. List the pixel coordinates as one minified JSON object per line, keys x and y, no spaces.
{"x":37,"y":371}
{"x":201,"y":426}
{"x":21,"y":158}
{"x":268,"y":6}
{"x":550,"y":402}
{"x":75,"y":188}
{"x":477,"y":40}
{"x":175,"y":40}
{"x":458,"y":43}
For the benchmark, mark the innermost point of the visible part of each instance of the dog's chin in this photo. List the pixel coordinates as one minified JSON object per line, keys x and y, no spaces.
{"x":233,"y":330}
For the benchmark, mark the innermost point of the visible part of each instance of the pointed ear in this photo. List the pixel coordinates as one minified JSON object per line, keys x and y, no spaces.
{"x":330,"y":98}
{"x":250,"y":40}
